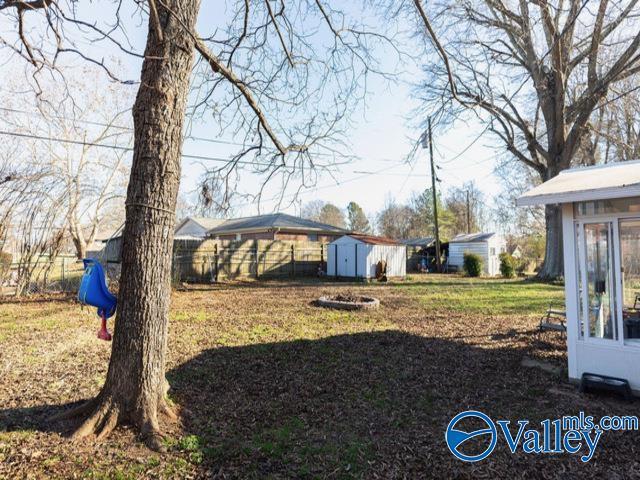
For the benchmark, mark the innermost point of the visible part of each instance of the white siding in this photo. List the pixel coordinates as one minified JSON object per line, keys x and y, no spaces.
{"x":457,"y":251}
{"x":488,"y":250}
{"x":394,"y":255}
{"x":192,"y":229}
{"x":367,"y":257}
{"x":497,"y":245}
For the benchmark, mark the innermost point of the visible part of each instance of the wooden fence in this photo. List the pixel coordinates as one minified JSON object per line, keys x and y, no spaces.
{"x":216,"y":260}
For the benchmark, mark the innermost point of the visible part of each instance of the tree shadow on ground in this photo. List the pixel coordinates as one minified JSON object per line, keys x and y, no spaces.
{"x":365,"y":405}
{"x":37,"y":418}
{"x":368,"y":405}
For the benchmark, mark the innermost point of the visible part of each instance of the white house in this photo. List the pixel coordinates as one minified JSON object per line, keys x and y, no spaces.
{"x":357,"y":256}
{"x":601,"y":243}
{"x":193,"y":228}
{"x":488,"y":246}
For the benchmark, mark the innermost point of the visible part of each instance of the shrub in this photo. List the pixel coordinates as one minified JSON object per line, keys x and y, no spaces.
{"x":507,"y":265}
{"x":472,"y":264}
{"x":521,"y":266}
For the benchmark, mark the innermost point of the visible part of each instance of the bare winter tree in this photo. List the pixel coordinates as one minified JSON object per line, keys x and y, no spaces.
{"x":86,"y":144}
{"x":264,"y":72}
{"x":617,"y":132}
{"x":467,"y":207}
{"x":396,"y":220}
{"x":32,"y":212}
{"x":536,"y":72}
{"x":312,"y":209}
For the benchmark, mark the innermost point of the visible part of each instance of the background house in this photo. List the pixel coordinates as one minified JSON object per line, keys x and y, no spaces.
{"x":275,"y":226}
{"x":191,"y":228}
{"x":515,"y":251}
{"x":356,"y":256}
{"x":488,"y":246}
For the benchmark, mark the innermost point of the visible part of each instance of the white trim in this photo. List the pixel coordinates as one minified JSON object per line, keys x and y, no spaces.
{"x":617,"y":280}
{"x":611,"y":222}
{"x":571,"y":288}
{"x":581,"y":196}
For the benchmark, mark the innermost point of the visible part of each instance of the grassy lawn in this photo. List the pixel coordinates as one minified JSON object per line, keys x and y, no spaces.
{"x":270,"y":386}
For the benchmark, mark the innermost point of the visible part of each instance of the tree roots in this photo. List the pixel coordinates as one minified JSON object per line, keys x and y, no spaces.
{"x":102,"y":416}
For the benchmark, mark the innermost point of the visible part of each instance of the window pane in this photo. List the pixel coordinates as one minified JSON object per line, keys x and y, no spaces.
{"x":600,"y":290}
{"x":616,"y":205}
{"x":630,"y":255}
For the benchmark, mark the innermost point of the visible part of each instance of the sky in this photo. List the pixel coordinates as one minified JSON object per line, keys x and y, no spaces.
{"x":380,"y":137}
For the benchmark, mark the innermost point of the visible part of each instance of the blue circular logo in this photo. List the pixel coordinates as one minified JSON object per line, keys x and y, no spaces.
{"x":456,"y":438}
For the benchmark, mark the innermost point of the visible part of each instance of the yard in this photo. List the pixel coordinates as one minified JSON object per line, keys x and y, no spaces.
{"x":270,"y":386}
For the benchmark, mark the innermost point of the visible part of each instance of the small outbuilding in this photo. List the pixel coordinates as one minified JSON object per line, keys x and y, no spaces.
{"x":357,"y":256}
{"x":601,"y":245}
{"x":488,"y":246}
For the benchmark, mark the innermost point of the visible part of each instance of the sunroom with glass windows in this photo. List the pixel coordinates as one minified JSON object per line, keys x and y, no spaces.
{"x":601,"y":246}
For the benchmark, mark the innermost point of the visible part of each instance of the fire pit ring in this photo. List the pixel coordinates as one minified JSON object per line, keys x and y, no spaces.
{"x":342,"y":302}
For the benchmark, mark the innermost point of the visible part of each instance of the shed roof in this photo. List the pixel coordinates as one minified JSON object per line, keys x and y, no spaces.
{"x":419,"y":242}
{"x":612,"y":180}
{"x":471,"y":237}
{"x":372,"y":239}
{"x":273,"y":221}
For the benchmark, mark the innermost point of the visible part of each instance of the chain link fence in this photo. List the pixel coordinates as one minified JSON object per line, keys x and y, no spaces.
{"x":42,"y":275}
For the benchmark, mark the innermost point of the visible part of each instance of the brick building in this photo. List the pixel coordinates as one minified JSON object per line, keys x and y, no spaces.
{"x":275,"y":226}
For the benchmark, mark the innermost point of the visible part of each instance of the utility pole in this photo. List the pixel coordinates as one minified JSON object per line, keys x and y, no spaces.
{"x":435,"y":201}
{"x":468,"y":214}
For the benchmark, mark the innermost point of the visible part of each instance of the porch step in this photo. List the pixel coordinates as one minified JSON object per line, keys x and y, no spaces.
{"x":595,"y":381}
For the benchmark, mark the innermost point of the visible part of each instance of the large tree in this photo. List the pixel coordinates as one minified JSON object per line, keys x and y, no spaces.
{"x":265,"y":73}
{"x":423,"y":216}
{"x":467,"y":208}
{"x":357,"y":219}
{"x":396,"y":220}
{"x":324,"y":212}
{"x":536,"y":72}
{"x":332,"y":215}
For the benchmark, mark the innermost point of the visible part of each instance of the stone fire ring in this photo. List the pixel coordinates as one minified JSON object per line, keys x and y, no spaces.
{"x":365,"y":303}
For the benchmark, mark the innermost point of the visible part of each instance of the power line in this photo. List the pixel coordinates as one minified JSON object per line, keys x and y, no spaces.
{"x":391,"y":174}
{"x":457,"y":156}
{"x":128,"y":149}
{"x":184,"y":155}
{"x":315,"y":189}
{"x":188,"y":137}
{"x":119,"y":127}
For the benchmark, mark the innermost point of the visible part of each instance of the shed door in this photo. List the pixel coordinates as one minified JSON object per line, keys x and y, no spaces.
{"x":345,"y":255}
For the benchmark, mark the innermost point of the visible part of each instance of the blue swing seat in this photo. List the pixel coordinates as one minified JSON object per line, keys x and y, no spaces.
{"x":93,"y":289}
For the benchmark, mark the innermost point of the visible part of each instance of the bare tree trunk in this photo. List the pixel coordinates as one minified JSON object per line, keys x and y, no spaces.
{"x":553,"y":266}
{"x":135,"y":388}
{"x":80,"y":246}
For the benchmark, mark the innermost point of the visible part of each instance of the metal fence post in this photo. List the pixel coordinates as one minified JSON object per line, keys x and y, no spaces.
{"x":256,"y":261}
{"x":293,"y":261}
{"x":215,"y":261}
